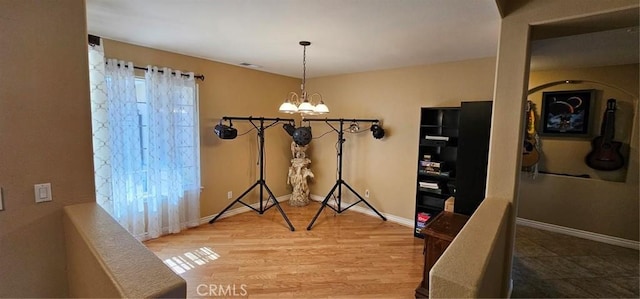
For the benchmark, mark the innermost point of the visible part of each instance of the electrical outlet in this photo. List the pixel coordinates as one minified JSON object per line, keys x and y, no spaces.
{"x":230,"y":195}
{"x":366,"y":193}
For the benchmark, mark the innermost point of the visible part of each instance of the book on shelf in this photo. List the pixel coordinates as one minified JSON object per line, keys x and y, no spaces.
{"x":426,"y":157}
{"x":434,"y":172}
{"x":432,"y":169}
{"x":439,"y":173}
{"x":432,"y":137}
{"x":421,"y":221}
{"x":435,"y":164}
{"x":429,"y":185}
{"x":423,"y":217}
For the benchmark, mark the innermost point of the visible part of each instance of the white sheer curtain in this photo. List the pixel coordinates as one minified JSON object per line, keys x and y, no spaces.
{"x":174,"y":172}
{"x":146,"y":151}
{"x":100,"y":127}
{"x":125,"y":148}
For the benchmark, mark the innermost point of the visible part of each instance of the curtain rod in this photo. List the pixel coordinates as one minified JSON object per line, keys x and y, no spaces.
{"x":201,"y":77}
{"x":95,"y":40}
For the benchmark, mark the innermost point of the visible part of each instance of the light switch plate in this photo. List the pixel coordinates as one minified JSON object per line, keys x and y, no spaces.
{"x":42,"y":192}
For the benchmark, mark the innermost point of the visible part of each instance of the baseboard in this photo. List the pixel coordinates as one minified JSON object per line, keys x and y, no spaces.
{"x":392,"y":218}
{"x":580,"y":233}
{"x":239,"y":210}
{"x":365,"y":210}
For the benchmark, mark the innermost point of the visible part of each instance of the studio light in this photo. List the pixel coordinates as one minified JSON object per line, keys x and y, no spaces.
{"x":301,"y":136}
{"x":354,"y":127}
{"x":290,"y":128}
{"x":377,"y":131}
{"x":304,"y":103}
{"x":226,"y":132}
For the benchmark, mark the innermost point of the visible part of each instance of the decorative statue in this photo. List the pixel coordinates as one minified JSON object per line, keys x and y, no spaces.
{"x":298,"y":175}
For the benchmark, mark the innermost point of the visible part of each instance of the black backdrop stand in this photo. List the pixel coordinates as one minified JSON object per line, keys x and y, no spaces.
{"x":340,"y":181}
{"x":260,"y":182}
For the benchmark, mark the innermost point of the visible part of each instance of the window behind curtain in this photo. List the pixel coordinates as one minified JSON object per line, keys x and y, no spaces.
{"x":188,"y":137}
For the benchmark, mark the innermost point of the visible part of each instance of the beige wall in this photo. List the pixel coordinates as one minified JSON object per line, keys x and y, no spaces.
{"x":611,"y":195}
{"x":388,"y":167}
{"x":45,"y":132}
{"x":229,"y":90}
{"x":512,"y":76}
{"x":228,"y":165}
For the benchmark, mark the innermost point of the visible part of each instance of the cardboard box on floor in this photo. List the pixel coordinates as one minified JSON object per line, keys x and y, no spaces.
{"x":448,"y":204}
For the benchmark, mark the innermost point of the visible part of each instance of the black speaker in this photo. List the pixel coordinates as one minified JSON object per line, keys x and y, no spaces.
{"x":225,"y":132}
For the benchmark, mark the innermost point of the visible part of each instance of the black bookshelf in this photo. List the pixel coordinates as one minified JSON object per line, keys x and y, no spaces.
{"x":452,"y":159}
{"x":437,"y":161}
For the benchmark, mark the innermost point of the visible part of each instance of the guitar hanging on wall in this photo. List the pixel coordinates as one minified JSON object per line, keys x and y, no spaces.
{"x":605,"y":153}
{"x":530,"y":154}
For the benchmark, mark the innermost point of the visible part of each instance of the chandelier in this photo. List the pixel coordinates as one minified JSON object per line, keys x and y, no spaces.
{"x":304,"y":103}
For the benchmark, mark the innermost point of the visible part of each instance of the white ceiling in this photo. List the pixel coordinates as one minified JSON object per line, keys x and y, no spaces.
{"x":347,"y":36}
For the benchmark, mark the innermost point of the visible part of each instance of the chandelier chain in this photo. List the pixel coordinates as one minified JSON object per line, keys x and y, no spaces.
{"x":304,"y":67}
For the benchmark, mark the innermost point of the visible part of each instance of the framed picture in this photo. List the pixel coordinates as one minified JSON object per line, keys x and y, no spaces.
{"x":567,"y":113}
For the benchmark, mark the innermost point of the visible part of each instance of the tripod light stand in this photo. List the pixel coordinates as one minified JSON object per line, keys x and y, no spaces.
{"x":340,"y":182}
{"x":260,"y":182}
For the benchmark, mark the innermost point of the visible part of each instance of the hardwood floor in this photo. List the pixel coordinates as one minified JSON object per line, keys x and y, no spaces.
{"x":350,"y":255}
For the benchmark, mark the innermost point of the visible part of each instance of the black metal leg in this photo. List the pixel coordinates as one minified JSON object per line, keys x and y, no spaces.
{"x":263,"y":185}
{"x":324,"y":203}
{"x":277,"y":204}
{"x":236,"y":201}
{"x":362,"y":200}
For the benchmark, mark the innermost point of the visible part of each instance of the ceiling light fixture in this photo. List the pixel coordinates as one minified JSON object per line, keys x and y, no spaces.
{"x":304,"y":104}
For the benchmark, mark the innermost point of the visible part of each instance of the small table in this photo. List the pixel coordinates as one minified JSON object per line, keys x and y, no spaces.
{"x":438,"y":234}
